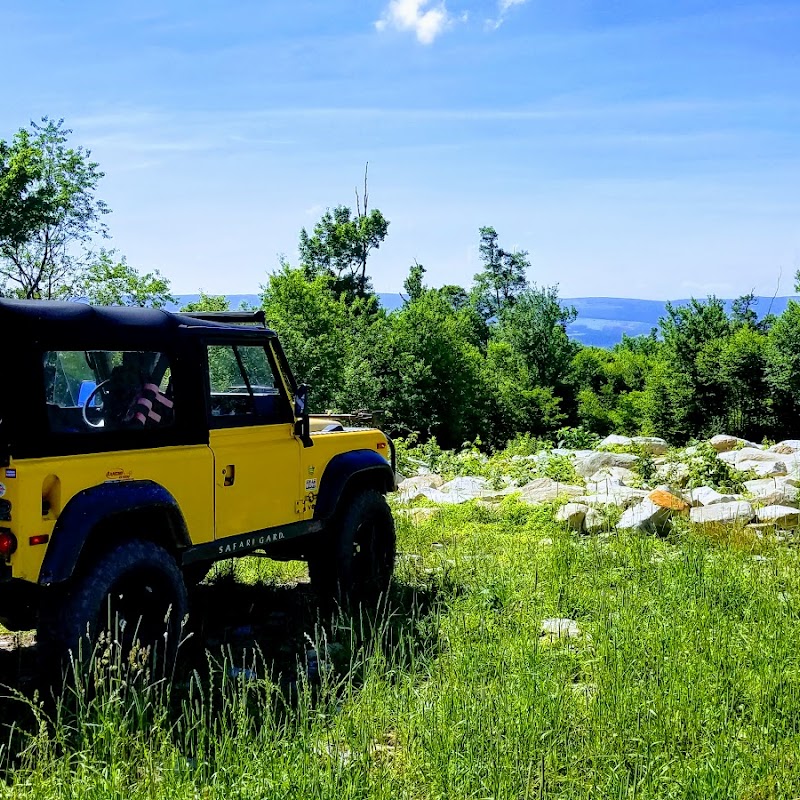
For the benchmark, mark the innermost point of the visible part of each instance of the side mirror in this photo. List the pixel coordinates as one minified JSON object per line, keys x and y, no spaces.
{"x":302,"y":424}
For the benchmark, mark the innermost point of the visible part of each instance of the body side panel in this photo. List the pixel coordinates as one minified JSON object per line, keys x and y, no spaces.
{"x":185,"y":472}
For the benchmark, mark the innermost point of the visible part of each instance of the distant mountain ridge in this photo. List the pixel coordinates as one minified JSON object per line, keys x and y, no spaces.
{"x":601,"y":321}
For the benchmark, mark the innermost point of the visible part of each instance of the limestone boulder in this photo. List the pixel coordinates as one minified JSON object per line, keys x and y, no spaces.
{"x":753,"y":454}
{"x":616,"y":441}
{"x":780,"y":490}
{"x":706,"y":496}
{"x":430,"y":481}
{"x":646,"y":516}
{"x":572,"y":515}
{"x":786,"y":447}
{"x":587,"y":462}
{"x":622,"y":496}
{"x":762,"y":462}
{"x":672,"y":471}
{"x":545,"y":490}
{"x":654,"y":445}
{"x":724,"y":443}
{"x":594,"y":521}
{"x":458,"y":490}
{"x":560,"y":628}
{"x":611,"y":476}
{"x":764,"y":469}
{"x":470,"y":488}
{"x":738,"y":511}
{"x":780,"y":516}
{"x":665,"y":499}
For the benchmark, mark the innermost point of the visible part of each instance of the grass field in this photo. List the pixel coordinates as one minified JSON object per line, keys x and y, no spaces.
{"x":683,"y":680}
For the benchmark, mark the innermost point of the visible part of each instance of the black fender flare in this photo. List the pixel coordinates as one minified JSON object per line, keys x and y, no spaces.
{"x":347,"y":470}
{"x":101,"y":504}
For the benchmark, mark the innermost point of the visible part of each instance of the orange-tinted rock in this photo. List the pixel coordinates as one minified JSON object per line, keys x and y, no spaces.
{"x":668,"y":500}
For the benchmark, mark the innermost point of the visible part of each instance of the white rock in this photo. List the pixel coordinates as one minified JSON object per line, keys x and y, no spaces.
{"x":594,"y":521}
{"x":622,"y":496}
{"x":754,"y":454}
{"x":573,"y":515}
{"x":560,"y":628}
{"x":786,"y":447}
{"x":706,"y":496}
{"x":470,"y":488}
{"x":465,"y":483}
{"x":616,"y":441}
{"x":675,"y":471}
{"x":782,"y":516}
{"x":431,"y":481}
{"x":611,"y":476}
{"x":651,"y":444}
{"x":545,"y":490}
{"x":646,"y":516}
{"x":723,"y":443}
{"x":587,"y":462}
{"x":739,"y":511}
{"x":764,"y":469}
{"x":768,"y":491}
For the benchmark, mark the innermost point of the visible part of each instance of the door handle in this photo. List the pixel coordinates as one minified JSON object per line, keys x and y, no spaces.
{"x":229,"y":475}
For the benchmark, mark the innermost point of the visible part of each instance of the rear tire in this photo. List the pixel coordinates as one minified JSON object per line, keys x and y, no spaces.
{"x":136,"y":593}
{"x":354,"y":566}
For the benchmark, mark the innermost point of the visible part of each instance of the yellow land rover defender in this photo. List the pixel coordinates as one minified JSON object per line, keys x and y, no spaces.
{"x":138,"y":446}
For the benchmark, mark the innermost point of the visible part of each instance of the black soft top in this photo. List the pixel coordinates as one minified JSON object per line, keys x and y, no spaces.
{"x":51,"y":320}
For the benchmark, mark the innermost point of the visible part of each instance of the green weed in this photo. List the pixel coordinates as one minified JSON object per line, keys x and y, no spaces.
{"x":683,"y":681}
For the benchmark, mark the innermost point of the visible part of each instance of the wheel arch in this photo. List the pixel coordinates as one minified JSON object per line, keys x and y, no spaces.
{"x":348,"y":473}
{"x":97,"y":517}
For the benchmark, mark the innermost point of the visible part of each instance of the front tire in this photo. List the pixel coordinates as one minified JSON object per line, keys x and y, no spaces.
{"x":354,"y":567}
{"x":135,"y":592}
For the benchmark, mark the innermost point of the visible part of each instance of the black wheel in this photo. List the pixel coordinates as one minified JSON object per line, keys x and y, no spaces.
{"x":135,"y":593}
{"x":354,"y":565}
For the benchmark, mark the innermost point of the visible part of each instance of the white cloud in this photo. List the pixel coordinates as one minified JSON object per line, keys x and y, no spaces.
{"x":425,"y":20}
{"x":503,"y":7}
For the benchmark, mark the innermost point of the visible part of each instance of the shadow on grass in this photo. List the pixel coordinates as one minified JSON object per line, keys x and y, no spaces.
{"x":269,"y":638}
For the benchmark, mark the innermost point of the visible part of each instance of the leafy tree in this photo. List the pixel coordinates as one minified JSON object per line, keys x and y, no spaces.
{"x":502,"y":278}
{"x":413,"y":284}
{"x":610,"y":384}
{"x":430,"y":377}
{"x":47,"y":191}
{"x":741,"y":364}
{"x":22,"y":195}
{"x":516,"y":403}
{"x":111,"y":282}
{"x":456,"y":296}
{"x":782,"y":369}
{"x":340,"y":245}
{"x":536,"y":328}
{"x":313,"y":326}
{"x":208,"y":302}
{"x":686,"y":392}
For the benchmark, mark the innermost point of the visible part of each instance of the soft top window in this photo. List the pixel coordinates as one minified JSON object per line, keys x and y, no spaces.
{"x":105,"y":390}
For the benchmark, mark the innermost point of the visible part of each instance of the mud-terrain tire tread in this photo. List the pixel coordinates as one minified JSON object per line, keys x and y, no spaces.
{"x":64,"y":618}
{"x":334,"y":570}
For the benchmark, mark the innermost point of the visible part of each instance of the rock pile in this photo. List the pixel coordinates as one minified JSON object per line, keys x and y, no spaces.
{"x":614,"y":489}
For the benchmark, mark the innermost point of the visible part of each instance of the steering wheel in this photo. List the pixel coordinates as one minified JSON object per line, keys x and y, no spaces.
{"x":88,"y":401}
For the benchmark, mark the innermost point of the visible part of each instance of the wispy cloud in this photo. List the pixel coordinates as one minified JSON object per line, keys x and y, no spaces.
{"x":427,"y":21}
{"x":503,"y":7}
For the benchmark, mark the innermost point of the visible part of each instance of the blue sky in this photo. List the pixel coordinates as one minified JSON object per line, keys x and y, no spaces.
{"x":635,"y":149}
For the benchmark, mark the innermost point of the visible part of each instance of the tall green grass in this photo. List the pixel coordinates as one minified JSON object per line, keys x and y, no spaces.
{"x":684,"y":682}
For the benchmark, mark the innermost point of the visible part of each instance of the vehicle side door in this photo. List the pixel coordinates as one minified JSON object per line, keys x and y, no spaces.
{"x":251,"y":434}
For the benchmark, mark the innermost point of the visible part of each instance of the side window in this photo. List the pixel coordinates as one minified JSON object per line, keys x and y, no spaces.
{"x":243,"y":388}
{"x":103,"y":390}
